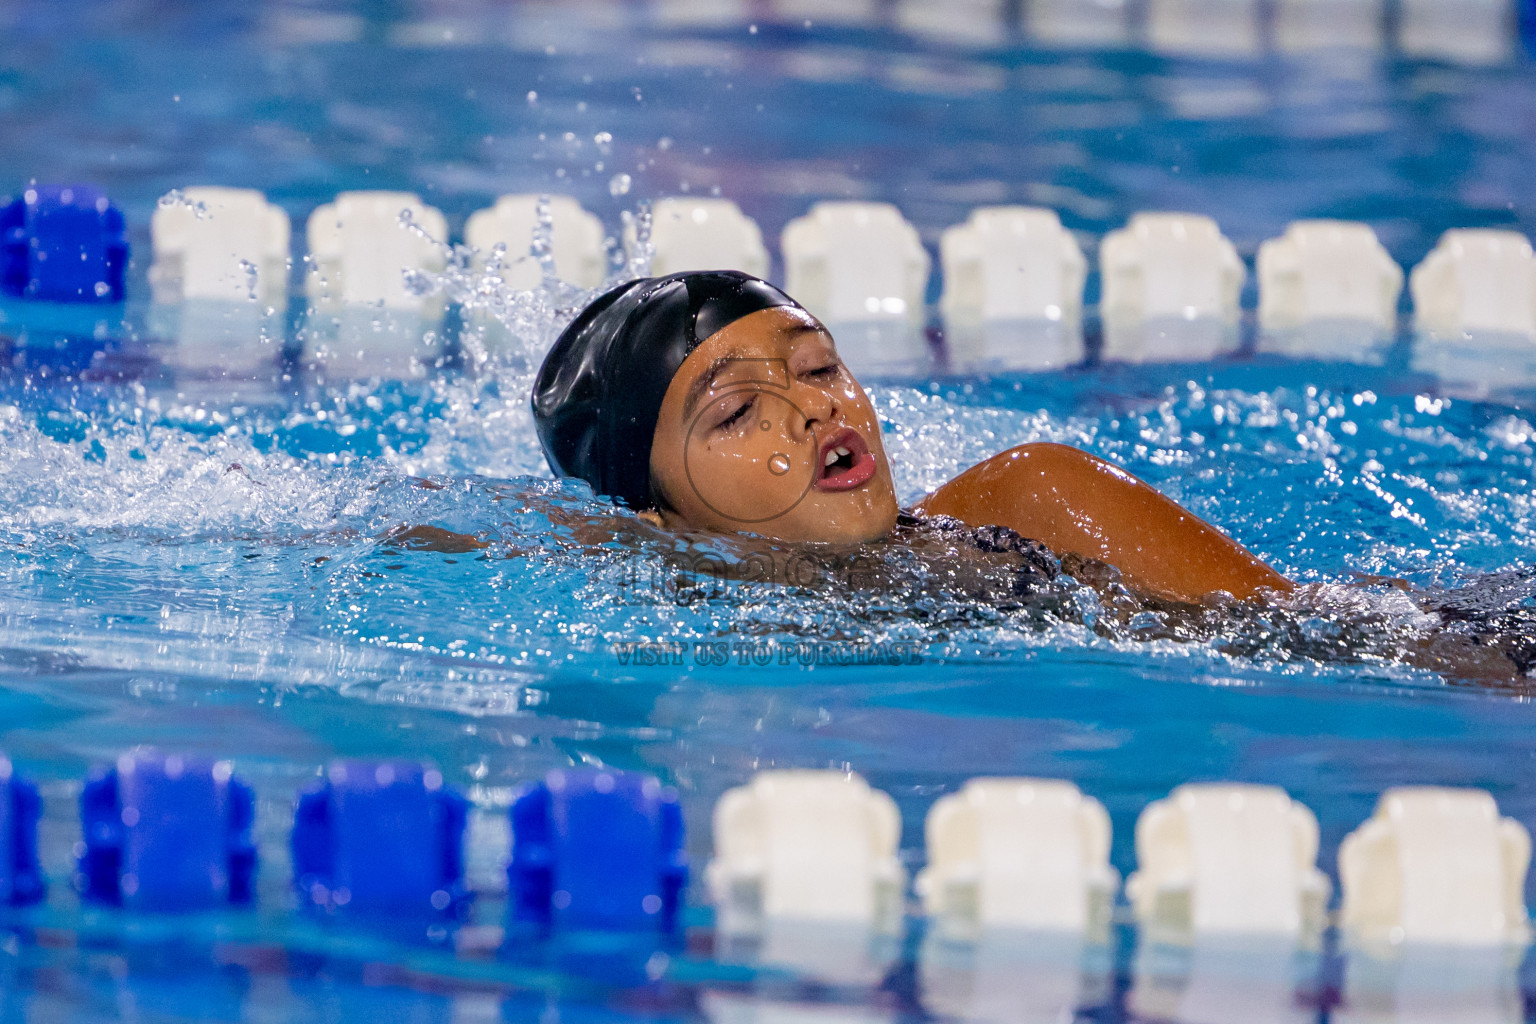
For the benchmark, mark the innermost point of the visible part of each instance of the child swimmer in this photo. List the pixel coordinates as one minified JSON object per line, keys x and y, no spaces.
{"x":713,"y":401}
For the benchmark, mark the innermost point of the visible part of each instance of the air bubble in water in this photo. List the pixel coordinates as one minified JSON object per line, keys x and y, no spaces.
{"x":619,"y":184}
{"x":103,"y":289}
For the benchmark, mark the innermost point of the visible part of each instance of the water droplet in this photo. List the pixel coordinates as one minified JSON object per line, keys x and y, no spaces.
{"x":638,"y":226}
{"x":779,"y":464}
{"x":542,"y":247}
{"x":176,"y":197}
{"x":619,"y":184}
{"x":252,"y":274}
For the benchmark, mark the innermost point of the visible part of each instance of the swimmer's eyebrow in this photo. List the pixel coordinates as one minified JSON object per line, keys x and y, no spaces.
{"x":706,"y":380}
{"x":791,"y":333}
{"x":709,"y":377}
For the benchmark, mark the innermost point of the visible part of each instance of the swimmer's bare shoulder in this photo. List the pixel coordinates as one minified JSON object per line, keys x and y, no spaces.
{"x":1076,"y":503}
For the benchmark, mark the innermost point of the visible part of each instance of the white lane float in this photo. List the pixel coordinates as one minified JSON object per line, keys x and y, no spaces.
{"x":1171,"y":286}
{"x":1205,"y":27}
{"x":1302,"y":25}
{"x":1230,"y":903}
{"x":1021,"y":854}
{"x":1433,"y":915}
{"x":862,"y":269}
{"x":1465,"y":31}
{"x":806,"y":870}
{"x":1231,"y":859}
{"x":1438,"y":866}
{"x":1474,"y":309}
{"x":575,"y":241}
{"x":1328,"y":289}
{"x":1013,"y":290}
{"x":1074,"y":23}
{"x":219,"y":280}
{"x":365,"y":318}
{"x":703,"y":234}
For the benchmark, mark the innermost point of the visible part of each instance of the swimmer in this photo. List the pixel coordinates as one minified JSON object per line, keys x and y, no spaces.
{"x":716,"y":409}
{"x":712,"y":401}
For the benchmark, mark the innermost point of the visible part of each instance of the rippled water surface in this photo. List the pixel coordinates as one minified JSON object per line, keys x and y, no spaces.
{"x":207,"y":564}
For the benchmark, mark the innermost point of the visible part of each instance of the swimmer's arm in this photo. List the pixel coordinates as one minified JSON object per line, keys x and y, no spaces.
{"x":582,"y":530}
{"x":434,"y":538}
{"x":1076,"y":503}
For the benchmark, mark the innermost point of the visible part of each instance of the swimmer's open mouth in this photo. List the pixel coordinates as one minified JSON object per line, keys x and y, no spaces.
{"x":845,"y":461}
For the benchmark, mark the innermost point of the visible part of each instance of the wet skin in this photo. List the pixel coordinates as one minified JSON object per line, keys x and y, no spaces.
{"x":745,"y":429}
{"x":756,"y":413}
{"x":1074,"y":502}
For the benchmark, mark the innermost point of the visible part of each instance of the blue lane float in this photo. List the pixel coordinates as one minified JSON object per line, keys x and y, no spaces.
{"x":600,"y":853}
{"x":164,"y":833}
{"x":21,"y":880}
{"x":63,"y":243}
{"x":598,"y":850}
{"x":380,"y":837}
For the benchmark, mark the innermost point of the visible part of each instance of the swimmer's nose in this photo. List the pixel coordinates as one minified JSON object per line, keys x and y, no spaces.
{"x":816,"y":408}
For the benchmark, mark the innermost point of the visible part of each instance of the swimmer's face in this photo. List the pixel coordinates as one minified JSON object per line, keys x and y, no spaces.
{"x":764,"y":431}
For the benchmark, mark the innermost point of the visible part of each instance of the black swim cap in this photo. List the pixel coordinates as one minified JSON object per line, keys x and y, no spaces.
{"x":598,"y":395}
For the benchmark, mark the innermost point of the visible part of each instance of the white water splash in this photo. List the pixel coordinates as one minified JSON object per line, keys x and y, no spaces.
{"x":176,"y":198}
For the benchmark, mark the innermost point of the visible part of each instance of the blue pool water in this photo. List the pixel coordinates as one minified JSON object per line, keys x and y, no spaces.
{"x":204,"y":564}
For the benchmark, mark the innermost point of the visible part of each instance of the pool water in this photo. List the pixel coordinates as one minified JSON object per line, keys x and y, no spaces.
{"x":206,"y":564}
